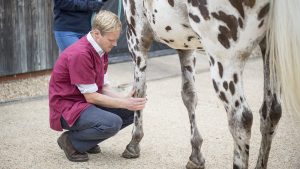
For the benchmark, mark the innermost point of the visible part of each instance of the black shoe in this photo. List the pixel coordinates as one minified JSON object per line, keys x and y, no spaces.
{"x":71,"y":153}
{"x":94,"y":150}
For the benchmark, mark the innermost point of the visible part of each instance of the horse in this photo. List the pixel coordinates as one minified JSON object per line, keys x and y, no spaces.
{"x":227,"y":31}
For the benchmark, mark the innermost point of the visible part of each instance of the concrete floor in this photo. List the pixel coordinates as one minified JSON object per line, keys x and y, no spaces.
{"x":26,"y":141}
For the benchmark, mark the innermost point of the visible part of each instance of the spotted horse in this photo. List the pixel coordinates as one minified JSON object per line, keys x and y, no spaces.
{"x":228,"y":31}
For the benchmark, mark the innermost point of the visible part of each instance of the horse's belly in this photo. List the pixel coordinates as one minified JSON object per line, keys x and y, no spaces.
{"x":170,"y":25}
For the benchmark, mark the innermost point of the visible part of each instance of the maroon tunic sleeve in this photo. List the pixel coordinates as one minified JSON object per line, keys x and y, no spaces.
{"x":81,"y":69}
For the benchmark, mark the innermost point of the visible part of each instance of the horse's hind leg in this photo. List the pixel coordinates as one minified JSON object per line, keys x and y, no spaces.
{"x":270,"y":113}
{"x":226,"y":76}
{"x":139,"y":37}
{"x":189,"y":97}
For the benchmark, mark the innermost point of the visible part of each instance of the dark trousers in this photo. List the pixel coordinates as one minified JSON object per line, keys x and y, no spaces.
{"x":95,"y":125}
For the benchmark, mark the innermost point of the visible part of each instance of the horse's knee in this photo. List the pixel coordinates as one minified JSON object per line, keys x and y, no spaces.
{"x":188,"y":93}
{"x":247,"y":119}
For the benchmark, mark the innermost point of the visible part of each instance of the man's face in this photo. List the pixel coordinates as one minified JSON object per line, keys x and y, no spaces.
{"x":108,"y":40}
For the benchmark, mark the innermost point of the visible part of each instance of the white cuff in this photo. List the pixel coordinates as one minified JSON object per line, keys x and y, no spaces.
{"x":87,"y":88}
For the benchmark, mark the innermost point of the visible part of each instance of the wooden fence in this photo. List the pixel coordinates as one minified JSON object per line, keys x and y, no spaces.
{"x":27,"y":43}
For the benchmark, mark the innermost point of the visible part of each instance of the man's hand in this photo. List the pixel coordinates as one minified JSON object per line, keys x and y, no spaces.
{"x":134,"y":103}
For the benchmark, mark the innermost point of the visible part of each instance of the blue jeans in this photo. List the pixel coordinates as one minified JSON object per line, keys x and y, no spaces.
{"x":65,"y":38}
{"x":95,"y":125}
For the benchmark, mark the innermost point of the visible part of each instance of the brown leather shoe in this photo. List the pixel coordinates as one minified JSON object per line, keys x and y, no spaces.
{"x":71,"y":153}
{"x":94,"y":150}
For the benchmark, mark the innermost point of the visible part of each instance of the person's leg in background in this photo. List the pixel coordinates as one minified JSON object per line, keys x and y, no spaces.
{"x":64,"y":39}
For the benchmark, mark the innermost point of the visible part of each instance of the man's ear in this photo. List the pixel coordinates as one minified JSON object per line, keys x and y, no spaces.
{"x":97,"y":32}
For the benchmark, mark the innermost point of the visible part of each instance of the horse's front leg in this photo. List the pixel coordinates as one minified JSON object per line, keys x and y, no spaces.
{"x":140,"y":63}
{"x":139,"y":38}
{"x":189,"y":97}
{"x":133,"y":149}
{"x":227,"y":80}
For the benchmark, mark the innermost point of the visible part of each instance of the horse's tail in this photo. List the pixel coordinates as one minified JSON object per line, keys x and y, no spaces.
{"x":284,"y":49}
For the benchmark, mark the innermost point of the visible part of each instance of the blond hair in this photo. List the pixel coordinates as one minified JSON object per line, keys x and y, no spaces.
{"x":106,"y":21}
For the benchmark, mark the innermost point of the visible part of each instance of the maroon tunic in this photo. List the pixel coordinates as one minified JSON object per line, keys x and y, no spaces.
{"x":78,"y":64}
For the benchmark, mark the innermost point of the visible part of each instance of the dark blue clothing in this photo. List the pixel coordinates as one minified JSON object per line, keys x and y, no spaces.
{"x":74,"y":15}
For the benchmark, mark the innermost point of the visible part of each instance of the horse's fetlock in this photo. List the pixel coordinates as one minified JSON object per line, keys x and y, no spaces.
{"x":138,"y":135}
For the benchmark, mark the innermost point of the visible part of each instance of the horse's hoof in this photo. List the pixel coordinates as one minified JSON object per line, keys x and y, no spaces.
{"x":128,"y":154}
{"x":192,"y":165}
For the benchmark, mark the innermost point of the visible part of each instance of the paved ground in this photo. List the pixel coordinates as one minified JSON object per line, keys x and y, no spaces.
{"x":27,"y":142}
